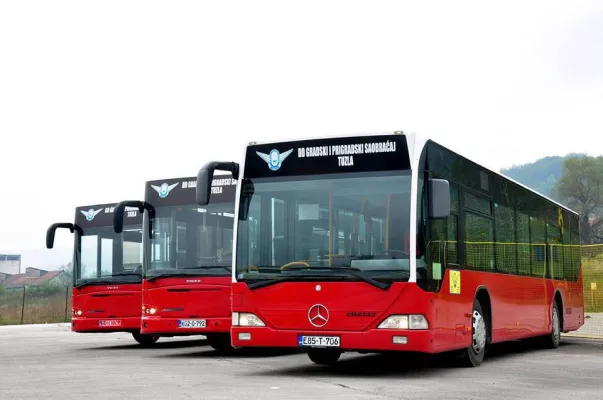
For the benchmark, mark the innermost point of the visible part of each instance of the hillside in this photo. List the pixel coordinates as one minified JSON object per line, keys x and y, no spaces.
{"x":540,"y":175}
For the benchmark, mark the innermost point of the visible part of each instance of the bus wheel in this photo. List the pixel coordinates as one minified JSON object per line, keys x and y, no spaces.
{"x":145,"y":340}
{"x":474,"y":354}
{"x":552,"y":341}
{"x":220,"y":343}
{"x":324,"y":357}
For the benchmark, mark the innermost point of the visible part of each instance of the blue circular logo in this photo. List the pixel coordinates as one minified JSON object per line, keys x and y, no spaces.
{"x":275,"y":160}
{"x":90,"y":215}
{"x":163,"y":191}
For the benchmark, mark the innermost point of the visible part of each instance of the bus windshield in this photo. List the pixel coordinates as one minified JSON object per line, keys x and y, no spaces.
{"x":109,"y":257}
{"x":304,"y":225}
{"x":190,"y":240}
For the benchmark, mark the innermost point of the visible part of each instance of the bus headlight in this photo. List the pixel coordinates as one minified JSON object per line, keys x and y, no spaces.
{"x":246,"y":319}
{"x":149,"y":310}
{"x":395,"y":322}
{"x":413,"y":321}
{"x":418,"y":321}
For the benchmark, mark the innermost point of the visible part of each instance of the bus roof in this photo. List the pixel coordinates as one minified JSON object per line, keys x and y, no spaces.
{"x":103,"y":205}
{"x":508,"y":179}
{"x":412,"y":138}
{"x":186,"y":178}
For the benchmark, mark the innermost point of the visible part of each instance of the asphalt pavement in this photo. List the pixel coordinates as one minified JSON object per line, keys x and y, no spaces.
{"x":51,"y":362}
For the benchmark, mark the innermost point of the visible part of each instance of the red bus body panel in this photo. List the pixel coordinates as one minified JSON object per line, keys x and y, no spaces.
{"x":176,"y":299}
{"x":107,"y":308}
{"x":521,"y":307}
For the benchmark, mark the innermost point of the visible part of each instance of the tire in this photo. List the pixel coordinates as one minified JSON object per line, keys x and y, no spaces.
{"x":552,"y":340}
{"x":145,"y":340}
{"x":324,"y":357}
{"x":221,"y":343}
{"x":474,"y":354}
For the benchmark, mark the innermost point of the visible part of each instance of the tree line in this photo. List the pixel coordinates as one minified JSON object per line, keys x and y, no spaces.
{"x":581,"y":189}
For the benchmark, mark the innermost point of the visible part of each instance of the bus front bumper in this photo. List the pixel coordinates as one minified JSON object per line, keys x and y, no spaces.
{"x":175,"y":327}
{"x":96,"y":325}
{"x":374,"y":340}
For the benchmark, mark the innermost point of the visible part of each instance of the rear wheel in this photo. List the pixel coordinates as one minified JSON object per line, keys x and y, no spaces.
{"x":324,"y":357}
{"x":145,"y":340}
{"x":474,"y":355}
{"x":552,"y":340}
{"x":221,"y":343}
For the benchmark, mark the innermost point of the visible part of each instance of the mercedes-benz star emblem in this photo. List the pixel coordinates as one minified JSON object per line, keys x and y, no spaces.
{"x":318,"y":315}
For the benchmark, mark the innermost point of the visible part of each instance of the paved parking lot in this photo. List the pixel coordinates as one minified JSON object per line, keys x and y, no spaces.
{"x":51,"y":362}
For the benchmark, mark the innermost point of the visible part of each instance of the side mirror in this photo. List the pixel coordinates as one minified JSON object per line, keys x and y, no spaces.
{"x":439,"y":198}
{"x":120,"y":212}
{"x":206,"y":175}
{"x":59,"y":225}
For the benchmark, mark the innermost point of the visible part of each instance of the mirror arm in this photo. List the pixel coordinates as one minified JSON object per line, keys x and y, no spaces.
{"x":205,"y":177}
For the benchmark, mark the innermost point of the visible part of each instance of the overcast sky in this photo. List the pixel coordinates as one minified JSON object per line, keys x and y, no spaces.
{"x":98,"y":97}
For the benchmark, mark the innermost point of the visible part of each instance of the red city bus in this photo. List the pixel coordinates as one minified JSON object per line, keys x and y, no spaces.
{"x":392,"y":242}
{"x":107,"y":273}
{"x":187,"y":259}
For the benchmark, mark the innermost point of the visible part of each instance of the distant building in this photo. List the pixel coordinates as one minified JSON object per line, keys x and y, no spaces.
{"x":4,"y":276}
{"x":33,"y":277}
{"x":10,"y":264}
{"x":34,"y":272}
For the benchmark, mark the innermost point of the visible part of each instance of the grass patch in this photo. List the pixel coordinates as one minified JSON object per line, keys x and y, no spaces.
{"x":592,"y":272}
{"x":41,"y":306}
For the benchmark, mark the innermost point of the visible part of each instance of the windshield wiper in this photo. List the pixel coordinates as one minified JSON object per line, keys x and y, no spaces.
{"x":350,"y":271}
{"x":168,"y":275}
{"x":289,"y":278}
{"x":122,"y":274}
{"x":88,"y":283}
{"x":188,"y":272}
{"x":229,"y":269}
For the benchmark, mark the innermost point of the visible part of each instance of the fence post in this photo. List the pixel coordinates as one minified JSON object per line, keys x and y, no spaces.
{"x":66,"y":301}
{"x":23,"y":305}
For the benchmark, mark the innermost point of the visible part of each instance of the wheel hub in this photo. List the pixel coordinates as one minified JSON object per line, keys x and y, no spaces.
{"x":479,"y":332}
{"x":556,"y":334}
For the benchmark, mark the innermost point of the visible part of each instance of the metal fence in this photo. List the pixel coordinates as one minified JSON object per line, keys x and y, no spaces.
{"x":51,"y":304}
{"x":592,"y":276}
{"x":35,"y":305}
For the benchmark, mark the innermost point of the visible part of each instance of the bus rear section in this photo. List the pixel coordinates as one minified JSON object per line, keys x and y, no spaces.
{"x":107,"y":279}
{"x":376,"y":243}
{"x":187,"y":260}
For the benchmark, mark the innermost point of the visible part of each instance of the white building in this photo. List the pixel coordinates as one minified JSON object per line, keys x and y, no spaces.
{"x":10,"y":264}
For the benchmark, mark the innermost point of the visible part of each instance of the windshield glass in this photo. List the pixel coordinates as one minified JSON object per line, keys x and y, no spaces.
{"x":108,"y":256}
{"x":191,"y":240}
{"x":307,"y":225}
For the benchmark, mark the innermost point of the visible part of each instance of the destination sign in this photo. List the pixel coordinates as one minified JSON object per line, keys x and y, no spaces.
{"x":182,"y":191}
{"x":327,"y":156}
{"x":100,"y":215}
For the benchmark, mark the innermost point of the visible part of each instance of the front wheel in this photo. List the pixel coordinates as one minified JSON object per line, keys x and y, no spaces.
{"x":474,"y":355}
{"x":324,"y":357}
{"x":145,"y":340}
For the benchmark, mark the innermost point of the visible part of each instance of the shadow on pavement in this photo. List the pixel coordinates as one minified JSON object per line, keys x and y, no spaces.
{"x":176,"y":344}
{"x":404,"y":364}
{"x":238,"y":353}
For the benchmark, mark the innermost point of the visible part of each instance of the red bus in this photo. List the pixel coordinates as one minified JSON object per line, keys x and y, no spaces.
{"x":393,"y":242}
{"x":187,"y":259}
{"x":107,"y":273}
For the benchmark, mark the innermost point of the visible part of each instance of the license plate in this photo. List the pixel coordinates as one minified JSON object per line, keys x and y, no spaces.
{"x":109,"y":322}
{"x":191,"y":323}
{"x":319,"y":341}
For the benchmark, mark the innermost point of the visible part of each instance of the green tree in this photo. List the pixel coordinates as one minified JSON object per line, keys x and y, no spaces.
{"x":581,"y":188}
